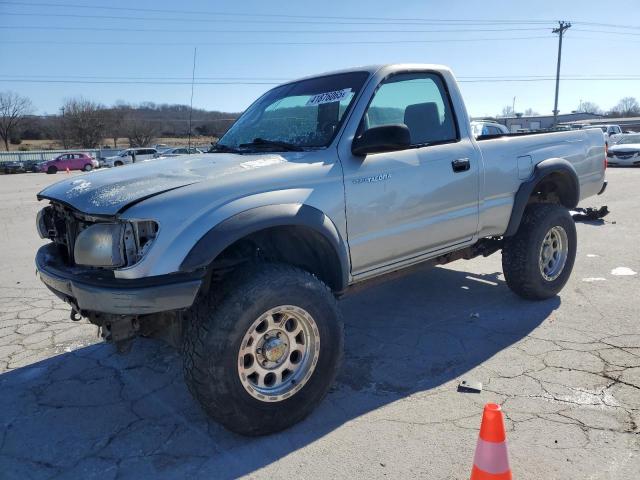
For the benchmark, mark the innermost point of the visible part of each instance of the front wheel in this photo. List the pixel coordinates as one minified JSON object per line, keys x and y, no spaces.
{"x":88,"y":167}
{"x":261,"y":354}
{"x":537,"y":261}
{"x":52,"y":170}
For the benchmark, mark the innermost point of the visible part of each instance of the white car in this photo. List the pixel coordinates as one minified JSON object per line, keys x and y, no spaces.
{"x":130,"y":155}
{"x":482,"y":127}
{"x":174,"y":152}
{"x":626,"y":152}
{"x":612,"y":133}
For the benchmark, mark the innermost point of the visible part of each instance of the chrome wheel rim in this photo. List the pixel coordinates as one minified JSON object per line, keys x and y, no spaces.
{"x":553,"y":253}
{"x":279,"y":353}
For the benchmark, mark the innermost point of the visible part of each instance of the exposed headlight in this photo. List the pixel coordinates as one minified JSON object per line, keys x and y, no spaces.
{"x":100,"y":245}
{"x":114,"y":245}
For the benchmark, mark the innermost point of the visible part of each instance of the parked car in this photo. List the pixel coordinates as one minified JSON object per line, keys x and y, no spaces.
{"x":130,"y":155}
{"x":174,"y":152}
{"x":611,"y":132}
{"x":486,"y":127}
{"x":20,"y":166}
{"x":161,"y":146}
{"x":626,"y":151}
{"x":71,"y":161}
{"x":253,"y":243}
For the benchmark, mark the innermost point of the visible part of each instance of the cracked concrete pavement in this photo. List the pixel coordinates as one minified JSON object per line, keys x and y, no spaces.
{"x":566,"y":371}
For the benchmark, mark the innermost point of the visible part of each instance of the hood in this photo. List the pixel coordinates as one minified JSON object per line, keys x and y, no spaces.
{"x":625,"y":147}
{"x":109,"y":192}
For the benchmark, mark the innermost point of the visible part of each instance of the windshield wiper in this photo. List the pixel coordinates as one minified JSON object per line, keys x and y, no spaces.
{"x":219,"y":147}
{"x":261,"y":142}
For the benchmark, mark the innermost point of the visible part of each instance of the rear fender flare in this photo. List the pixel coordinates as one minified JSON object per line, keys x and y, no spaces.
{"x":569,"y":196}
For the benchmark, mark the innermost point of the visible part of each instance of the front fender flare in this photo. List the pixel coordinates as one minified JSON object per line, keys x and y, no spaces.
{"x":570,"y":196}
{"x":238,"y":226}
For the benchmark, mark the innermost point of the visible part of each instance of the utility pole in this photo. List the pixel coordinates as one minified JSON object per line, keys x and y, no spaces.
{"x":562,"y":27}
{"x":193,"y":81}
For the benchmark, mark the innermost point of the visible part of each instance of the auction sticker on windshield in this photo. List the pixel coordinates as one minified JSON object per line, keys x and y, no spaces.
{"x":329,"y":97}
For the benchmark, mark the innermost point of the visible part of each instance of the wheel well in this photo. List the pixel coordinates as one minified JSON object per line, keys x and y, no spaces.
{"x":296,"y":245}
{"x":556,"y":187}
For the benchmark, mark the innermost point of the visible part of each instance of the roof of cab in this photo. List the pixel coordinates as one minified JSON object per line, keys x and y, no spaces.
{"x":372,"y":69}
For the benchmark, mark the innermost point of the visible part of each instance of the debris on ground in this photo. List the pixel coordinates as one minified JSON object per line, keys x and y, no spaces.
{"x":623,"y":271}
{"x":589,"y":214}
{"x":474,"y":315}
{"x":466,"y":386}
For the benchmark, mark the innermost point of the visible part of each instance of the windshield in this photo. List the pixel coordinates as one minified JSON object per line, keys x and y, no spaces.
{"x":304,"y":114}
{"x":629,"y":139}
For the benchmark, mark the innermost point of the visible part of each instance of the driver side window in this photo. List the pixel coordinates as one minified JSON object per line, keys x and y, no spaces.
{"x":418,"y":100}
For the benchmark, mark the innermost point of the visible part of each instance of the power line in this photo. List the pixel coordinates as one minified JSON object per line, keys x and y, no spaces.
{"x":378,"y":20}
{"x":606,"y":31}
{"x":173,"y":83}
{"x":269,"y":15}
{"x":161,"y":76}
{"x":611,"y":25}
{"x":222,"y":43}
{"x":217,"y":30}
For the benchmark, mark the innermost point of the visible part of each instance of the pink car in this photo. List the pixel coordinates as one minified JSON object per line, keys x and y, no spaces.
{"x":72,"y":161}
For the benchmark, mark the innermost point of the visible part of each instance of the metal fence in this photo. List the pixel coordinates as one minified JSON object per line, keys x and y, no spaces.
{"x":42,"y":155}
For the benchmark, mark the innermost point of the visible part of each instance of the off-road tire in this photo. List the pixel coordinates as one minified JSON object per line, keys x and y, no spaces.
{"x":52,"y":170}
{"x":216,"y":325}
{"x":521,"y":252}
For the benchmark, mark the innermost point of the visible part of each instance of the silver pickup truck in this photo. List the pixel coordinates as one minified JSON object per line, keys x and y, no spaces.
{"x":238,"y":255}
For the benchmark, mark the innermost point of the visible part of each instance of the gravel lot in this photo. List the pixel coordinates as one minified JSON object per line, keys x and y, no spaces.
{"x":566,"y":370}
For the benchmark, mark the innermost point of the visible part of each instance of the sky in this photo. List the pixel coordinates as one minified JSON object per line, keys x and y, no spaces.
{"x":138,"y":51}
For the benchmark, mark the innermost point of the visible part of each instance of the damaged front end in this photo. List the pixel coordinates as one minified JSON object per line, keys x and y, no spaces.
{"x":95,"y":241}
{"x":79,"y":266}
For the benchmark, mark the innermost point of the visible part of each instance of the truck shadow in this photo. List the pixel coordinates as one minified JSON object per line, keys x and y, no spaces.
{"x":92,"y":413}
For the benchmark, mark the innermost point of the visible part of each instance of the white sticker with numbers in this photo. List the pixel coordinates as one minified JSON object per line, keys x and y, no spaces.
{"x":329,"y":97}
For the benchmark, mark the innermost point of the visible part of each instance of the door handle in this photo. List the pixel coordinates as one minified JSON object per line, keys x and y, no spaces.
{"x":461,"y":165}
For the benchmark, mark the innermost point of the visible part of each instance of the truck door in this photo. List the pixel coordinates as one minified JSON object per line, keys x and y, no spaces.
{"x":402,"y":205}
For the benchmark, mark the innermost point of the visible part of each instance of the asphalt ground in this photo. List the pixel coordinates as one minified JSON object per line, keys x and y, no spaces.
{"x":566,"y":372}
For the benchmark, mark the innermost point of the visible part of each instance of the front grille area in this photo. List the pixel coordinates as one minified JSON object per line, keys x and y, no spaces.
{"x":625,"y":155}
{"x":63,"y":226}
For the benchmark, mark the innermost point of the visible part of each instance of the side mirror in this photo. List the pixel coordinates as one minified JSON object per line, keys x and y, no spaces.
{"x":385,"y":138}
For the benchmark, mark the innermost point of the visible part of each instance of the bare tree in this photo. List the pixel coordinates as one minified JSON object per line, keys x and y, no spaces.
{"x":85,"y":121}
{"x":117,"y":117}
{"x":139,"y":132}
{"x":589,"y":107}
{"x":530,"y":112}
{"x":627,"y":107}
{"x":507,"y":111}
{"x":13,"y":110}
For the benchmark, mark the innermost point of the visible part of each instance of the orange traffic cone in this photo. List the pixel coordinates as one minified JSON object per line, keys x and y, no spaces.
{"x":68,"y":170}
{"x":491,"y":461}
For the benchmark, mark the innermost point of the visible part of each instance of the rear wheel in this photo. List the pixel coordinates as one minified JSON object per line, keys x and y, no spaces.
{"x":260,"y":355}
{"x":52,"y":170}
{"x":537,"y":261}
